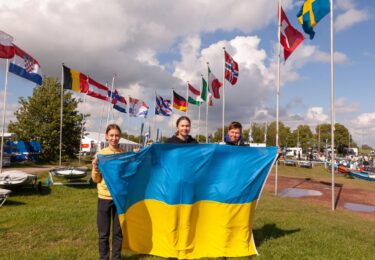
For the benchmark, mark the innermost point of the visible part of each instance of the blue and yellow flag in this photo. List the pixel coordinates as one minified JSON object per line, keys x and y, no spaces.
{"x":188,"y":201}
{"x":312,"y":11}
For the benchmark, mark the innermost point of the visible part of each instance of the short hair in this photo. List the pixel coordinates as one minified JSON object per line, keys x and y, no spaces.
{"x":235,"y":125}
{"x":112,"y":126}
{"x":182,"y":118}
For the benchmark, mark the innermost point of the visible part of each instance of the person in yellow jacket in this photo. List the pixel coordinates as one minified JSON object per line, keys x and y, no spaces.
{"x":107,"y":212}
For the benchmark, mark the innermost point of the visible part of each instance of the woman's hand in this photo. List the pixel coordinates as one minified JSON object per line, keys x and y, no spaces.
{"x":95,"y":164}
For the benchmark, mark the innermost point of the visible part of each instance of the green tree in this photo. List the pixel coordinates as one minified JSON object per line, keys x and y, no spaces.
{"x":284,"y":134}
{"x":38,"y":118}
{"x":304,"y":137}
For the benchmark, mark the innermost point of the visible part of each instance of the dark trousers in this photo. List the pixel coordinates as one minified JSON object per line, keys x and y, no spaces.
{"x":107,"y":212}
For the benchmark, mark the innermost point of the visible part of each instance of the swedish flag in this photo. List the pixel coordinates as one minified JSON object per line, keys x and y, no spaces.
{"x":312,"y":11}
{"x":188,"y":201}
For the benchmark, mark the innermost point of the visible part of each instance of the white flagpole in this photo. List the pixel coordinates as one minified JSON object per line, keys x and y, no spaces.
{"x":278,"y":89}
{"x":187,"y":98}
{"x":223,"y":96}
{"x":332,"y":113}
{"x":81,"y":134}
{"x":100,"y":126}
{"x":61,"y":112}
{"x":154,"y":118}
{"x":4,"y":112}
{"x":207,"y":100}
{"x":110,"y":98}
{"x":199,"y":120}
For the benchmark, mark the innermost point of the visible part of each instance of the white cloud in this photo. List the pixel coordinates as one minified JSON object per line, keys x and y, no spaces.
{"x":342,"y":105}
{"x":316,"y":115}
{"x":350,"y":16}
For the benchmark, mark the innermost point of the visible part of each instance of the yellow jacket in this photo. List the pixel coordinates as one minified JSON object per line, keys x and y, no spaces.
{"x":97,"y":177}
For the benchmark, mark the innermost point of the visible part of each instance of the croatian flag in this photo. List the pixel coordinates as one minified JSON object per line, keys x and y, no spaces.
{"x":163,"y":106}
{"x":120,"y":104}
{"x":137,"y":108}
{"x":25,"y":66}
{"x":6,"y":46}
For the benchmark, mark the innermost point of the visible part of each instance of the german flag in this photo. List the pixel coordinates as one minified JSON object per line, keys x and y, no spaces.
{"x":179,"y":102}
{"x":75,"y":80}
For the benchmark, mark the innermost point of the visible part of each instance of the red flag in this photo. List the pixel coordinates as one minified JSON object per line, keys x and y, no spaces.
{"x":231,"y":69}
{"x":7,"y":50}
{"x":97,"y":90}
{"x":214,"y":84}
{"x":290,"y":38}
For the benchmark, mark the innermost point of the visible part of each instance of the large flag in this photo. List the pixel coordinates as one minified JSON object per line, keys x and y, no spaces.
{"x":137,"y":108}
{"x":231,"y":69}
{"x":194,"y":96}
{"x":6,"y":46}
{"x":25,"y":66}
{"x":214,"y":84}
{"x":290,"y":38}
{"x":206,"y":93}
{"x":120,"y":104}
{"x":163,"y":106}
{"x":179,"y":102}
{"x":203,"y":207}
{"x":75,"y":80}
{"x":97,"y":90}
{"x":312,"y":11}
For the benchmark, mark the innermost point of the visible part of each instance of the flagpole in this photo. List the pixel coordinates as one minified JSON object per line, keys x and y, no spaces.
{"x":61,"y":112}
{"x":81,"y":134}
{"x":332,"y":112}
{"x":223,"y":96}
{"x":199,"y":120}
{"x":208,"y":85}
{"x":100,"y":125}
{"x":110,"y":98}
{"x":187,"y":98}
{"x":4,"y":112}
{"x":278,"y":89}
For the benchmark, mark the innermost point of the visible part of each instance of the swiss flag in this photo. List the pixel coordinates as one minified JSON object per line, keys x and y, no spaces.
{"x":290,"y":38}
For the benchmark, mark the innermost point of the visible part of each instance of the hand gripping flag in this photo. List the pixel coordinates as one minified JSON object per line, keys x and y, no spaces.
{"x":203,"y":207}
{"x":6,"y":46}
{"x":290,"y":38}
{"x":312,"y":11}
{"x":163,"y":106}
{"x":25,"y":66}
{"x":231,"y":69}
{"x":214,"y":84}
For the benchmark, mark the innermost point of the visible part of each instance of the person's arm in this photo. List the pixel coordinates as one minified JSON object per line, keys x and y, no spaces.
{"x":95,"y":173}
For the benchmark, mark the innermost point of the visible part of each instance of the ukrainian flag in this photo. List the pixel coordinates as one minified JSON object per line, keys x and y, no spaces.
{"x":312,"y":11}
{"x":188,"y":201}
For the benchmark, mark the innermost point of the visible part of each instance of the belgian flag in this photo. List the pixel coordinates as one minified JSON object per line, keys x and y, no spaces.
{"x":179,"y":102}
{"x":75,"y":80}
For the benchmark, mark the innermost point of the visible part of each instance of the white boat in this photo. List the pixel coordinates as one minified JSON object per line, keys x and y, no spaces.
{"x":69,"y":172}
{"x":16,"y":178}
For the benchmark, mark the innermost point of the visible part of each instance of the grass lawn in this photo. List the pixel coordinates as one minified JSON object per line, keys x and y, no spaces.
{"x":60,"y":223}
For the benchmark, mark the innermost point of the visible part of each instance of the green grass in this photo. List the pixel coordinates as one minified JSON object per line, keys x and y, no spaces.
{"x":60,"y":223}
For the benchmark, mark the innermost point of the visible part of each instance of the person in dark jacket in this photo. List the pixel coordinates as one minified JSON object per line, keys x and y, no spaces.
{"x":182,"y":136}
{"x":234,"y":135}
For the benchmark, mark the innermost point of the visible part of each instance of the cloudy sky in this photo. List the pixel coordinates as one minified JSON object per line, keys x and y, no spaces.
{"x":160,"y":45}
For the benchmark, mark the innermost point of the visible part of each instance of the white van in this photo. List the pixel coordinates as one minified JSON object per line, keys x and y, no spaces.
{"x":293,"y":152}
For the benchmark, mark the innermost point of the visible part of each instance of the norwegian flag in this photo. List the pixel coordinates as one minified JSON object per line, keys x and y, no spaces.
{"x":231,"y":69}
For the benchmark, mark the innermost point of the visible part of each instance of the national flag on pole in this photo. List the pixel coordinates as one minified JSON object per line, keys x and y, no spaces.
{"x":6,"y":46}
{"x":163,"y":106}
{"x":290,"y":38}
{"x":206,"y":93}
{"x":25,"y":66}
{"x":214,"y":84}
{"x":188,"y":201}
{"x":120,"y":104}
{"x":194,"y":96}
{"x":75,"y":80}
{"x":179,"y":102}
{"x":231,"y":69}
{"x":137,"y":108}
{"x":97,"y":90}
{"x":312,"y":11}
{"x":113,"y":96}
